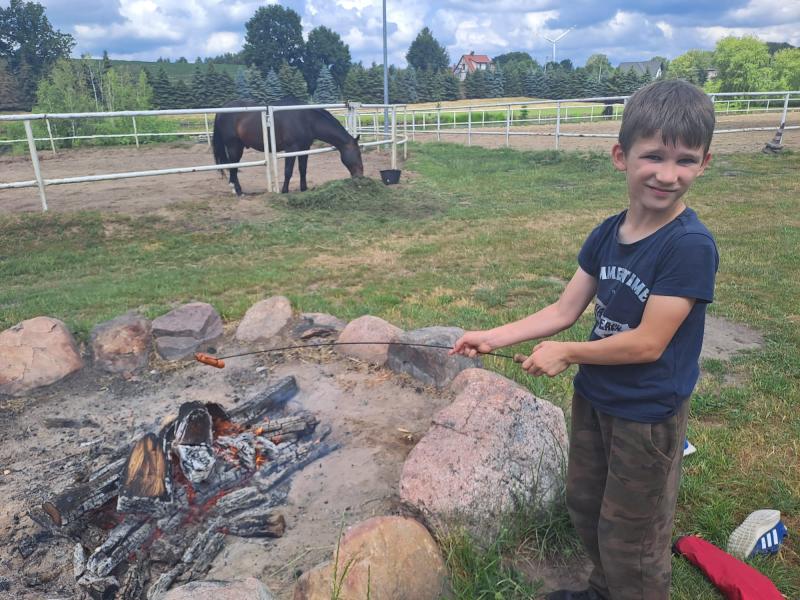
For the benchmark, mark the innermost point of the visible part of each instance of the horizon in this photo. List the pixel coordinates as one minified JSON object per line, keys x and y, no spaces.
{"x":623,"y":30}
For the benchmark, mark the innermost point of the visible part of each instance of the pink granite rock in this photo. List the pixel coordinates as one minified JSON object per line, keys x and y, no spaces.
{"x":35,"y":353}
{"x":495,"y":445}
{"x":264,"y":320}
{"x":248,"y":589}
{"x":122,"y":344}
{"x":394,"y":558}
{"x":368,"y":329}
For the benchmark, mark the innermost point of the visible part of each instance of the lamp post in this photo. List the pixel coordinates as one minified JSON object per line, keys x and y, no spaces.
{"x":385,"y":76}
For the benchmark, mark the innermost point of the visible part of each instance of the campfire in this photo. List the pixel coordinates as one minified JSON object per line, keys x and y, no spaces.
{"x":164,"y":504}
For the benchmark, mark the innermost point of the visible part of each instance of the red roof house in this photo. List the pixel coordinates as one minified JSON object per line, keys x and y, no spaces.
{"x":469,"y":63}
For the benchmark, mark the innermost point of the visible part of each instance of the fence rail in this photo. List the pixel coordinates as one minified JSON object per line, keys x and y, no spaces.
{"x":271,"y":156}
{"x":382,"y":123}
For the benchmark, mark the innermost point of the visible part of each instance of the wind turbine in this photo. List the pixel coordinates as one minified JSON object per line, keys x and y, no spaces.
{"x":555,"y":40}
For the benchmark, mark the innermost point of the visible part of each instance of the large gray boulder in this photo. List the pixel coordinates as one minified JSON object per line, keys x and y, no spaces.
{"x":190,"y":328}
{"x":432,"y":366}
{"x":394,"y":558}
{"x":121,"y":345}
{"x":35,"y":353}
{"x":495,"y":446}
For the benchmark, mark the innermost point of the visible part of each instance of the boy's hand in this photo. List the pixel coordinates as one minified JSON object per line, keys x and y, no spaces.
{"x":547,"y":358}
{"x":471,"y":344}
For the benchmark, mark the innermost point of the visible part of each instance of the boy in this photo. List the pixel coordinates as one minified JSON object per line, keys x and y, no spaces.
{"x":651,"y":271}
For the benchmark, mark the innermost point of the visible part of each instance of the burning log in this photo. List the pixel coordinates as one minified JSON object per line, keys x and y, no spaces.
{"x":257,"y":407}
{"x":193,"y":441}
{"x":147,"y":478}
{"x":70,"y":506}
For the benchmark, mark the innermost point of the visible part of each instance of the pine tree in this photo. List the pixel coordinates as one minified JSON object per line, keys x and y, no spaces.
{"x":451,"y":86}
{"x":293,"y":83}
{"x":411,"y":85}
{"x":373,"y":89}
{"x":355,"y":83}
{"x":182,"y":95}
{"x":256,"y":85}
{"x":273,"y":91}
{"x":9,"y":98}
{"x":198,"y":88}
{"x":476,"y":85}
{"x":241,"y":85}
{"x":496,"y":82}
{"x":163,"y":96}
{"x":326,"y":92}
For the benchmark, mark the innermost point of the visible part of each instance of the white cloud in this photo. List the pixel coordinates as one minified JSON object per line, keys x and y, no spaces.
{"x":221,"y":42}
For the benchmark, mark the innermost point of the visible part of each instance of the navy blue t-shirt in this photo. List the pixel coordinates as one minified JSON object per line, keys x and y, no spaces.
{"x":680,"y":259}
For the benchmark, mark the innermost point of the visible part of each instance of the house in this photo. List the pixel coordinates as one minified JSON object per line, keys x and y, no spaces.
{"x":654,"y":68}
{"x":469,"y":63}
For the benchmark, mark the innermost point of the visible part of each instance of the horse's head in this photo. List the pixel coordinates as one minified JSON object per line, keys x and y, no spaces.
{"x":351,"y":157}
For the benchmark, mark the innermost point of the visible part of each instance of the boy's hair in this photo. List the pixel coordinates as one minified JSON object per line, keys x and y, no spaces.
{"x":681,"y":111}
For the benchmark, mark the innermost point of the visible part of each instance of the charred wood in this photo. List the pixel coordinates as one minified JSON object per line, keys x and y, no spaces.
{"x":123,"y":540}
{"x":249,"y":498}
{"x":133,"y":582}
{"x":259,"y":522}
{"x":71,"y":505}
{"x":193,"y":441}
{"x":146,"y":479}
{"x":78,"y":561}
{"x":273,"y":397}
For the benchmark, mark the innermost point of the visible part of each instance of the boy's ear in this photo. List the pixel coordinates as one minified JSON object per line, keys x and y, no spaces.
{"x":618,"y":158}
{"x":705,"y":163}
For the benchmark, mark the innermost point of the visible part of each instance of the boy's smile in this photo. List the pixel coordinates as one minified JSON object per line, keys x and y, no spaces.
{"x":659,"y":174}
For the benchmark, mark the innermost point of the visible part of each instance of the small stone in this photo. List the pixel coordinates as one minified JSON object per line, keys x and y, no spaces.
{"x":6,"y":471}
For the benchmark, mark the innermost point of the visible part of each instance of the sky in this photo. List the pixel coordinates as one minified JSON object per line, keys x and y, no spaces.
{"x":623,"y":30}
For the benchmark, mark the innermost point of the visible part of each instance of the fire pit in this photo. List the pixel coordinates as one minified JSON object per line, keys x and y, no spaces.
{"x":165,"y":503}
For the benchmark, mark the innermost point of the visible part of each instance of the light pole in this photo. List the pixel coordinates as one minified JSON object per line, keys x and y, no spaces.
{"x":385,"y":76}
{"x":555,"y":40}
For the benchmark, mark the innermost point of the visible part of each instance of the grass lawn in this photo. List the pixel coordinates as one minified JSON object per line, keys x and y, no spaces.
{"x":477,"y":238}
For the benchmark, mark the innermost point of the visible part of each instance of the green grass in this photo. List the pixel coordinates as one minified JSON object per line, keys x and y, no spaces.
{"x":476,"y":238}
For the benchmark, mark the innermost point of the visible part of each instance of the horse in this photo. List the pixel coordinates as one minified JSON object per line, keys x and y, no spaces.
{"x":295,"y":130}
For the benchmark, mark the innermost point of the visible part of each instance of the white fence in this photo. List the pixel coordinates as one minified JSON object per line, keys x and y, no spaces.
{"x":271,"y":156}
{"x":382,"y":122}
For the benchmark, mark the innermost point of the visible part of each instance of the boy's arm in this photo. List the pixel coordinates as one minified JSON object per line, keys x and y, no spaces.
{"x":662,"y":317}
{"x":550,"y":320}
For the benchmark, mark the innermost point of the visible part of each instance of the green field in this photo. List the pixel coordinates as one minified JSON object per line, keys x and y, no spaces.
{"x":476,"y":238}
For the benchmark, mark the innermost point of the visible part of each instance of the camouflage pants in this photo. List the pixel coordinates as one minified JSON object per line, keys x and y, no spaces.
{"x":622,"y":486}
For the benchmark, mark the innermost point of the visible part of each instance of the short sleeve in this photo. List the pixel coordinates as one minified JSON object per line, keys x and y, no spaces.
{"x":688,"y":269}
{"x":588,"y":257}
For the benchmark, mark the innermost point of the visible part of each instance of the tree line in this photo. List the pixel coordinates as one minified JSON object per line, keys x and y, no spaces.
{"x":276,"y":62}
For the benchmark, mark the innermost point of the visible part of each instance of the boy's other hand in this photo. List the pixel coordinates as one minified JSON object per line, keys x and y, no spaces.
{"x":471,"y":344}
{"x":547,"y":358}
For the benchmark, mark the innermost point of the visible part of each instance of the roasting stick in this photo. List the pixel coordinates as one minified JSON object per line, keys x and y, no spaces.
{"x":219,"y":362}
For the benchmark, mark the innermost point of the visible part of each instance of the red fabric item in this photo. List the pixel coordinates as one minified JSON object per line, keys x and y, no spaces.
{"x":735,"y":579}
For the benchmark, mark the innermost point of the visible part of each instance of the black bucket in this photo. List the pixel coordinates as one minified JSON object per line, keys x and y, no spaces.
{"x":390,"y":176}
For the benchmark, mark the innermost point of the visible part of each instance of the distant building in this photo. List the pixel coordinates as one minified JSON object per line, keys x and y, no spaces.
{"x":469,"y":63}
{"x":654,"y":68}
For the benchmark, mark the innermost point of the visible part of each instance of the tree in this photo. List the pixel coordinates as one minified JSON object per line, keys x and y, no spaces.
{"x":450,"y":85}
{"x":504,"y":60}
{"x":326,"y":91}
{"x":293,"y":83}
{"x":274,"y":36}
{"x":598,"y":65}
{"x":496,"y":82}
{"x":742,"y":65}
{"x":476,"y":85}
{"x":426,"y":53}
{"x":273,"y":91}
{"x":9,"y":96}
{"x":692,"y":66}
{"x":786,"y":69}
{"x":355,"y":83}
{"x":325,"y":48}
{"x":163,"y":96}
{"x":256,"y":85}
{"x":30,"y":45}
{"x":64,"y":90}
{"x":200,"y":94}
{"x":534,"y":84}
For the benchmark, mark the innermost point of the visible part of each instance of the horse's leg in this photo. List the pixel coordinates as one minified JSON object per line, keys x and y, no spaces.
{"x":235,"y":151}
{"x":287,"y":173}
{"x":302,"y":163}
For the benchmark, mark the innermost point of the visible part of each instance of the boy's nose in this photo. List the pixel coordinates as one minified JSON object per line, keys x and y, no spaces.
{"x":667,"y":173}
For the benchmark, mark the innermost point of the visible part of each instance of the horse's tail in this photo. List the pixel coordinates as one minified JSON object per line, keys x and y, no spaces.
{"x":218,"y":145}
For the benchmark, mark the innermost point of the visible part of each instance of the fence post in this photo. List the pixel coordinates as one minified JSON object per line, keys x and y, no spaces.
{"x":558,"y":121}
{"x":454,"y":119}
{"x":135,"y":133}
{"x":405,"y":133}
{"x":438,"y":124}
{"x":208,"y":134}
{"x":469,"y":126}
{"x":394,"y":137}
{"x":414,"y":125}
{"x":35,"y":160}
{"x":785,"y":109}
{"x":273,"y":149}
{"x":508,"y":123}
{"x":50,"y":135}
{"x":265,"y":127}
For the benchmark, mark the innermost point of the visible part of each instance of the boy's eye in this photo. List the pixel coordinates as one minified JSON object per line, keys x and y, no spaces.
{"x":653,"y":157}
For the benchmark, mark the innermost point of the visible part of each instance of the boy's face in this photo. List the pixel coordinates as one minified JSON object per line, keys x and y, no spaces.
{"x":659,"y":174}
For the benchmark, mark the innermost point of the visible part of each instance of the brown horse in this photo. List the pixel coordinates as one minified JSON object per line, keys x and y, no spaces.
{"x":295,"y":130}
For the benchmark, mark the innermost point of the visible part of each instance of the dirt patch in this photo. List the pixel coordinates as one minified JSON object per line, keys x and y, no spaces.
{"x":375,"y":416}
{"x":722,"y":339}
{"x":145,"y":195}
